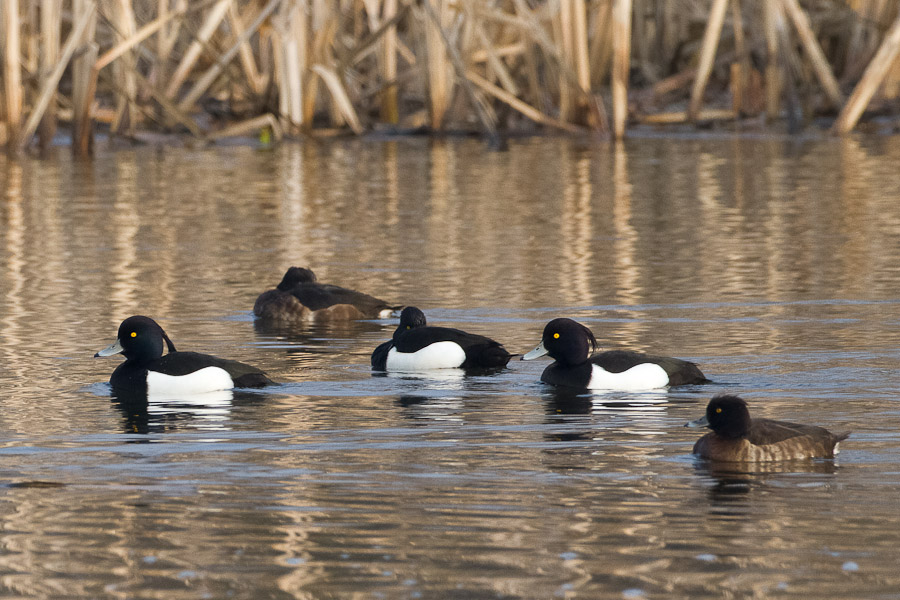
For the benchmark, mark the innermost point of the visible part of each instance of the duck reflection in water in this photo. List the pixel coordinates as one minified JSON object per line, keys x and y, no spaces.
{"x":729,"y":483}
{"x":308,"y":346}
{"x":210,"y":411}
{"x":564,"y":404}
{"x":422,"y":409}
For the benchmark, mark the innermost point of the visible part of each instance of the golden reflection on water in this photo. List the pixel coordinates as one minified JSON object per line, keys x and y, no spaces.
{"x":747,"y":235}
{"x":625,"y":237}
{"x":126,"y":222}
{"x":576,"y":234}
{"x":14,"y":277}
{"x":548,"y":225}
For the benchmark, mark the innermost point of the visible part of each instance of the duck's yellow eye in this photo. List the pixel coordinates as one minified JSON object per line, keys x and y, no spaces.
{"x":134,"y":334}
{"x":718,"y":410}
{"x":408,"y":327}
{"x":555,"y":336}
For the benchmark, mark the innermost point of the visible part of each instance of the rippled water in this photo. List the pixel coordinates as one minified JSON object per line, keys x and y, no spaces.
{"x":773,"y":263}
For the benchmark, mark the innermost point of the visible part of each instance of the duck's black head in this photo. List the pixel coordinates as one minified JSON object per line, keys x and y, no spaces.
{"x":410,"y":318}
{"x":728,"y":416}
{"x":139,"y":339}
{"x":567,"y":341}
{"x":294,"y":276}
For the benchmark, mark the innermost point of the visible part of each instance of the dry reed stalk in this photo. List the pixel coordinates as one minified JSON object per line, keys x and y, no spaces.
{"x":249,"y":126}
{"x":740,"y":70}
{"x":169,"y":109}
{"x":570,"y":24}
{"x":707,"y":55}
{"x":137,"y":37}
{"x":168,"y":34}
{"x":83,"y":90}
{"x":871,"y":79}
{"x":382,"y":27}
{"x":493,"y":59}
{"x":861,"y":43}
{"x":324,"y":23}
{"x":165,"y":41}
{"x":736,"y":81}
{"x":621,"y":64}
{"x":814,"y":51}
{"x":290,"y":58}
{"x":12,"y":72}
{"x":670,"y":118}
{"x":248,"y":63}
{"x":313,"y":42}
{"x":83,"y":83}
{"x":682,"y":79}
{"x":30,"y":43}
{"x":339,"y":96}
{"x":123,"y":71}
{"x":483,"y":110}
{"x":209,"y":76}
{"x":523,"y":20}
{"x":511,"y":50}
{"x":520,"y":106}
{"x":530,"y":56}
{"x":562,"y":25}
{"x":390,"y":108}
{"x":206,"y":31}
{"x":51,"y":24}
{"x":528,"y":21}
{"x":667,"y":20}
{"x":49,"y":83}
{"x":162,"y":51}
{"x":581,"y":55}
{"x":439,"y":71}
{"x":601,"y":45}
{"x":890,"y":89}
{"x":773,"y":23}
{"x":367,"y":46}
{"x":639,"y":37}
{"x":3,"y":125}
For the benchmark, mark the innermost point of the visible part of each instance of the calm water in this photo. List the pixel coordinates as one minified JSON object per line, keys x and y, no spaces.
{"x":774,"y":264}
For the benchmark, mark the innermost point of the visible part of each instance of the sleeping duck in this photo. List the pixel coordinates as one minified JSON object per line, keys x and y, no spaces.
{"x":300,"y":298}
{"x":416,"y":346}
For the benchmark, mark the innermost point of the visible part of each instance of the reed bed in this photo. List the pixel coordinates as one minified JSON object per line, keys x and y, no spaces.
{"x":216,"y":68}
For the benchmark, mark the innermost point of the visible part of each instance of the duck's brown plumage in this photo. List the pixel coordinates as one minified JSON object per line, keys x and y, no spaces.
{"x":771,"y":440}
{"x":300,"y":298}
{"x":739,"y":438}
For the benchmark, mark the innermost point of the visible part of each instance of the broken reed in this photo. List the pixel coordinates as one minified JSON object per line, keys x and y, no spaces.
{"x":295,"y":66}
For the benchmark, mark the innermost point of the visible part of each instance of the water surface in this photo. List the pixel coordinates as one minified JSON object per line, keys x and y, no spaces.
{"x":773,"y":263}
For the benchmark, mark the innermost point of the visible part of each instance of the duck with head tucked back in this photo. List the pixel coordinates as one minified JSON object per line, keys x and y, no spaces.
{"x":299,"y":297}
{"x":146,"y":370}
{"x":416,"y":346}
{"x":570,"y":343}
{"x":735,"y":437}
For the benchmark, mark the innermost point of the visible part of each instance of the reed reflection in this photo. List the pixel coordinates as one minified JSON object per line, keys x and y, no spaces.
{"x":126,"y":223}
{"x":625,"y":239}
{"x":14,"y":276}
{"x":577,"y":233}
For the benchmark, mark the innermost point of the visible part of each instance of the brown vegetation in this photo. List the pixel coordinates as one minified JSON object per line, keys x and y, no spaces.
{"x":215,"y":68}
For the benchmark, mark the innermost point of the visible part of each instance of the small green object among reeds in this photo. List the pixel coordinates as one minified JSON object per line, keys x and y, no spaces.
{"x":211,"y":68}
